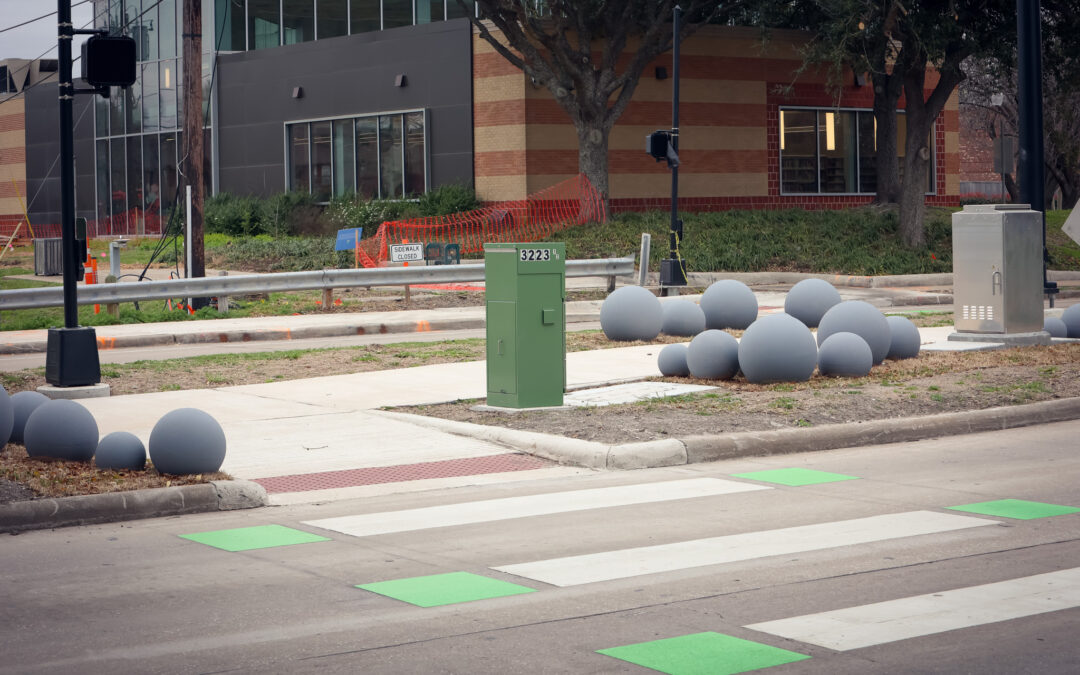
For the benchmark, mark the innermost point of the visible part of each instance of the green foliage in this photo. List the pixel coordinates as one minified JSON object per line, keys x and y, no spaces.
{"x":281,"y":254}
{"x":228,"y":214}
{"x":352,"y":210}
{"x":283,"y":214}
{"x":447,"y":199}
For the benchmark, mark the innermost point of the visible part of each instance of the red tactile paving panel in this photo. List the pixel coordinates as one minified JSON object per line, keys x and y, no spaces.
{"x":470,"y":466}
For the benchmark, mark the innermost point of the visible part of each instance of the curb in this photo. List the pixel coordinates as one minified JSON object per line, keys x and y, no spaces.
{"x":39,"y":514}
{"x":695,"y":449}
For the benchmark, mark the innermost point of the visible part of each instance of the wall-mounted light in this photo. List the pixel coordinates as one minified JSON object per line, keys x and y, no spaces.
{"x":781,"y":129}
{"x":875,"y":134}
{"x":298,"y":92}
{"x":168,"y":77}
{"x":830,"y":131}
{"x":401,"y":81}
{"x":661,"y":73}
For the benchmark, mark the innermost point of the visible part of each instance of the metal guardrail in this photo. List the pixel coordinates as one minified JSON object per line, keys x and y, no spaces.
{"x":249,"y":284}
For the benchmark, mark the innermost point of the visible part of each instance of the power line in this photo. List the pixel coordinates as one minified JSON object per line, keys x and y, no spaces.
{"x":43,"y":16}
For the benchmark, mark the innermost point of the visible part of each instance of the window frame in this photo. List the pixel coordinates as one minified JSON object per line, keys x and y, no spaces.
{"x":931,"y":191}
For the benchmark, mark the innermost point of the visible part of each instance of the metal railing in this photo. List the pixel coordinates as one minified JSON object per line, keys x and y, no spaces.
{"x":250,"y":284}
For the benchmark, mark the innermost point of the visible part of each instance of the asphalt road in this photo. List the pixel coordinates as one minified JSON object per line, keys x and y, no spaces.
{"x":686,"y":555}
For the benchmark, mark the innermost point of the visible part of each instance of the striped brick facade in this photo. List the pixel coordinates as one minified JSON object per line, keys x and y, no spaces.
{"x":12,"y":161}
{"x":732,"y":87}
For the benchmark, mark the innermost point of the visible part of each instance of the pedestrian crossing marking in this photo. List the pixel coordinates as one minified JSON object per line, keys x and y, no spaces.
{"x":1018,"y":509}
{"x":445,"y":589}
{"x":795,"y":477}
{"x":703,"y":654}
{"x":533,"y":505}
{"x":250,"y":538}
{"x":920,"y":615}
{"x":620,"y":564}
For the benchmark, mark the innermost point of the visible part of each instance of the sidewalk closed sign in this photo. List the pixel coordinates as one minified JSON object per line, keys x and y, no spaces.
{"x":406,"y":252}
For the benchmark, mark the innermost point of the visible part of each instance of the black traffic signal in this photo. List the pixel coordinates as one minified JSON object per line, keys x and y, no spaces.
{"x":109,"y":61}
{"x":658,"y":145}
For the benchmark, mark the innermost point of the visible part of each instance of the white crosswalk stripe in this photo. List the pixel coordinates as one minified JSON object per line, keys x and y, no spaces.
{"x":532,"y":505}
{"x":920,"y":615}
{"x":583,"y":569}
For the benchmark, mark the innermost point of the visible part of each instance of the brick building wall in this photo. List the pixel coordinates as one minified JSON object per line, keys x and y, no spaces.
{"x":731,"y":88}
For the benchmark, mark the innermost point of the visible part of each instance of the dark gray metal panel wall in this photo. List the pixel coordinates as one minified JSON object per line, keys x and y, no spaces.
{"x":345,"y":76}
{"x":43,"y":152}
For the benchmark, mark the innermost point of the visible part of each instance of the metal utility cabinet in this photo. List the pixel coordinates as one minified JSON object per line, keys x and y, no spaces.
{"x":526,"y":324}
{"x":997,"y":269}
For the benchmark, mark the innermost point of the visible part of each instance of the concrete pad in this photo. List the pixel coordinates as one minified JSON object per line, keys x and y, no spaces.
{"x":629,"y":393}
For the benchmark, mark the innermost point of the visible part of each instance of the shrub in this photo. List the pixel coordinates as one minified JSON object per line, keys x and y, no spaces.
{"x":446,"y":199}
{"x":228,"y":214}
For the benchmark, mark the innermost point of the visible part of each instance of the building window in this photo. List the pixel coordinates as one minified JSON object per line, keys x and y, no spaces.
{"x":364,"y":16}
{"x":264,"y":18}
{"x":397,"y":13}
{"x":333,"y":18}
{"x":377,"y":156}
{"x":830,"y":151}
{"x":298,"y":21}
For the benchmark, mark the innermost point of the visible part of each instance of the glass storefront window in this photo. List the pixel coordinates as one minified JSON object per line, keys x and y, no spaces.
{"x":321,"y":173}
{"x":333,"y":18}
{"x":836,"y":145}
{"x":134,"y":184}
{"x":264,"y":18}
{"x":116,"y":111}
{"x":397,"y":13}
{"x":169,"y":176}
{"x":229,"y":20}
{"x":299,"y":178}
{"x":151,"y":202}
{"x":391,"y":180}
{"x":430,"y":10}
{"x":867,"y":152}
{"x":344,"y":160}
{"x":167,"y":29}
{"x":298,"y":21}
{"x":798,"y":151}
{"x":133,"y":106}
{"x":167,"y":86}
{"x":454,"y":11}
{"x":367,"y":156}
{"x":415,"y":181}
{"x":364,"y":16}
{"x":150,"y":97}
{"x":118,"y":175}
{"x":101,"y":172}
{"x":101,"y":116}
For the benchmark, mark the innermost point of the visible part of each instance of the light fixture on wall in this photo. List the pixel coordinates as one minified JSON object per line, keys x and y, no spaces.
{"x":401,"y":80}
{"x":298,"y":92}
{"x":781,"y":129}
{"x":830,"y":131}
{"x":661,"y":73}
{"x":168,"y":78}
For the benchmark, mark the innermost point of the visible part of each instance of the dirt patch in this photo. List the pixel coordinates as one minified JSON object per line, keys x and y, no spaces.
{"x":934,"y":382}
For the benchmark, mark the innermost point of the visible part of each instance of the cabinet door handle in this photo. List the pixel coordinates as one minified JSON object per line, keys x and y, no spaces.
{"x":995,"y":283}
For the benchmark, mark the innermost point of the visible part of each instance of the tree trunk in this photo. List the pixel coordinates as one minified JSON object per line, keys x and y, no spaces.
{"x":593,"y":156}
{"x":1012,"y":188}
{"x":887,"y":89}
{"x":920,"y":122}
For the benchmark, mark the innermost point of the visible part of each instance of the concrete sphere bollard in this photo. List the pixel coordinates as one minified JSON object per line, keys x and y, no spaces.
{"x":62,"y":429}
{"x":713,"y":355}
{"x":729,"y":304}
{"x":905,"y":340}
{"x":1071,"y":318}
{"x":777,"y":348}
{"x":845,"y":355}
{"x":631,"y":313}
{"x":672,"y":361}
{"x":1056,"y":327}
{"x":187,"y":441}
{"x":809,"y":299}
{"x":24,"y":403}
{"x":120,"y":450}
{"x":7,"y":417}
{"x":861,"y":318}
{"x":682,"y":317}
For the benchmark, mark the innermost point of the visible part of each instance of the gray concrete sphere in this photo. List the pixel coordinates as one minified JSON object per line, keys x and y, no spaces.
{"x":187,"y":441}
{"x":729,"y":304}
{"x":1071,"y":318}
{"x":682,"y":317}
{"x":713,"y":355}
{"x":672,"y":361}
{"x":120,"y":450}
{"x":62,"y":429}
{"x":905,"y":340}
{"x":631,"y":313}
{"x":1056,"y":327}
{"x":861,"y":318}
{"x":809,"y":299}
{"x":7,"y":417}
{"x":24,"y":403}
{"x":777,"y":348}
{"x":845,"y":355}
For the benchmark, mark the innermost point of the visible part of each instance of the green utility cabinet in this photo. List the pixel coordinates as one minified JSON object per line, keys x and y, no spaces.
{"x":526,"y":324}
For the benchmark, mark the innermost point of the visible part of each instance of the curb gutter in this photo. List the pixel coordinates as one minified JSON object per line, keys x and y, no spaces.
{"x":38,"y":514}
{"x":694,"y":449}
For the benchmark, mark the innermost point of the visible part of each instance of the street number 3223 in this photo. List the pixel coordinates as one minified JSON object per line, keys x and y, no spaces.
{"x":537,"y":254}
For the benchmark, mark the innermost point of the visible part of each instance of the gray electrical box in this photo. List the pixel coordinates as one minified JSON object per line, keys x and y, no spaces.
{"x":997,"y":269}
{"x":48,"y":257}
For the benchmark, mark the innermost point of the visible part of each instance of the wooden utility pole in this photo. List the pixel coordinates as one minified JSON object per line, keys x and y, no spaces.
{"x":193,"y":132}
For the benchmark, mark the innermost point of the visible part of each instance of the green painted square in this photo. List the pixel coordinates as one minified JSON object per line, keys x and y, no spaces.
{"x":795,"y":477}
{"x":703,"y":654}
{"x":250,"y":538}
{"x":1016,"y":508}
{"x":445,"y":589}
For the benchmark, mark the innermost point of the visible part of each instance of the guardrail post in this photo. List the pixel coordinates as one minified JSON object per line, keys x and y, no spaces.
{"x":327,"y":298}
{"x":223,"y":300}
{"x":643,"y":268}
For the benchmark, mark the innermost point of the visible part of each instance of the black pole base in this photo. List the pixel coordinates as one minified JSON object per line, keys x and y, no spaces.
{"x":71,"y":357}
{"x":672,"y":272}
